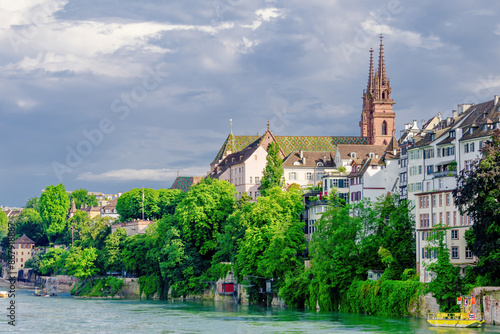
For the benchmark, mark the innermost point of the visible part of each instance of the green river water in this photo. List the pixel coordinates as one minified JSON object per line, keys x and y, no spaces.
{"x":75,"y":315}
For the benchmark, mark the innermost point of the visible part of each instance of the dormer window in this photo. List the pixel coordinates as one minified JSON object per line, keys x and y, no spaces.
{"x":353,"y":155}
{"x":296,"y":163}
{"x":320,"y":164}
{"x":452,"y":134}
{"x":485,"y":127}
{"x":371,"y":155}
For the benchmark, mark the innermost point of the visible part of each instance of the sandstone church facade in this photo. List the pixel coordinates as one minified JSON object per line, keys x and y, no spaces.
{"x":308,"y":159}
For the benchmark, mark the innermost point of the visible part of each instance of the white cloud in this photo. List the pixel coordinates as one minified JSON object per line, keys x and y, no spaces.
{"x":409,"y":38}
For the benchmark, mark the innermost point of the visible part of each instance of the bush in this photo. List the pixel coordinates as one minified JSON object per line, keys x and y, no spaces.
{"x":149,"y":285}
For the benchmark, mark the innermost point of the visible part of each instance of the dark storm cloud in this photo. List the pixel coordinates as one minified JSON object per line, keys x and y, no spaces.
{"x":81,"y":71}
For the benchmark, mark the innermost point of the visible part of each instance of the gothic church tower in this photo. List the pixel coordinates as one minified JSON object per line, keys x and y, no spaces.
{"x":377,"y":117}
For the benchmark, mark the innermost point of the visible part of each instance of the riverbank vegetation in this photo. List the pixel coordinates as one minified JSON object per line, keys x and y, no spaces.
{"x":201,"y":235}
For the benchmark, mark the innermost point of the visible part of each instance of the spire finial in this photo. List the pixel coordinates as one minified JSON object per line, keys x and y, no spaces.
{"x":381,"y":63}
{"x":370,"y":73}
{"x":268,"y":125}
{"x":231,"y":125}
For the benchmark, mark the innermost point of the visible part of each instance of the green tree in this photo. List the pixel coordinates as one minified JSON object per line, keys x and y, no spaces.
{"x":334,"y":252}
{"x":33,"y":203}
{"x":82,"y":198}
{"x":273,"y":242}
{"x":81,"y":263}
{"x":446,"y":284}
{"x":130,"y":204}
{"x":113,"y":250}
{"x":29,"y":222}
{"x":4,"y":222}
{"x":203,"y":212}
{"x":478,"y":195}
{"x":53,"y":261}
{"x":168,"y":199}
{"x":273,"y":173}
{"x":54,"y":206}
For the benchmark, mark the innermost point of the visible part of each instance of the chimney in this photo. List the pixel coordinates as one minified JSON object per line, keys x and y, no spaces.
{"x":415,"y":125}
{"x":301,"y":154}
{"x":496,"y":100}
{"x":455,"y":114}
{"x":303,"y":160}
{"x":407,"y":125}
{"x":423,"y":123}
{"x":463,"y":107}
{"x":439,"y":116}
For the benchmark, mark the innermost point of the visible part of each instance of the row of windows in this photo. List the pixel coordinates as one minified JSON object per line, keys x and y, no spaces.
{"x":469,"y":147}
{"x":424,"y":200}
{"x":446,"y":151}
{"x":415,"y":187}
{"x":449,"y":218}
{"x":455,"y":253}
{"x":426,"y":235}
{"x":415,"y":170}
{"x":416,"y":154}
{"x":356,"y":180}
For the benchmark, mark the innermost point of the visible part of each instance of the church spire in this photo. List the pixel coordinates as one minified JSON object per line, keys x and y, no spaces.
{"x":370,"y":74}
{"x":382,"y":79}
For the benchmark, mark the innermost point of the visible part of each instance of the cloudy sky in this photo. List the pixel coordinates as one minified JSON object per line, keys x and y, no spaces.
{"x":110,"y":95}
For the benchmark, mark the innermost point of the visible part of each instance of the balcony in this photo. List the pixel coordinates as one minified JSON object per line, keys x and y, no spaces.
{"x":445,"y":173}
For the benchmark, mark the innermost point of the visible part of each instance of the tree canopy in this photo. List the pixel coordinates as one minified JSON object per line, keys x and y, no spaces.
{"x":273,"y":173}
{"x":478,"y":195}
{"x":82,"y":198}
{"x":54,"y":206}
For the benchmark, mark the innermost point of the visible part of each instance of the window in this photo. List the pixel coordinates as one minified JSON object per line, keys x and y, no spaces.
{"x":440,"y":199}
{"x":440,"y":217}
{"x":447,"y":199}
{"x":466,"y":148}
{"x":472,"y":147}
{"x":440,"y":183}
{"x":454,"y":234}
{"x":309,"y":176}
{"x":251,"y":194}
{"x":257,"y":180}
{"x":454,"y":252}
{"x":292,"y":176}
{"x":468,"y":253}
{"x":468,"y":164}
{"x":433,"y":201}
{"x":250,"y":179}
{"x":454,"y":218}
{"x":448,"y":218}
{"x":430,"y":169}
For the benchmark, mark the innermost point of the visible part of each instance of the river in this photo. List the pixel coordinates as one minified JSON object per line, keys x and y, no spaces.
{"x":66,"y":314}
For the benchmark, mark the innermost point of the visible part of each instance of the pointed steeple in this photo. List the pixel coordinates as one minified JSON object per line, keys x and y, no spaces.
{"x":369,"y":87}
{"x":382,"y":78}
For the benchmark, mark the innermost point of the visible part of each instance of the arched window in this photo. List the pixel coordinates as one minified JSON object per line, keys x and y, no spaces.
{"x":383,"y":95}
{"x":384,"y":128}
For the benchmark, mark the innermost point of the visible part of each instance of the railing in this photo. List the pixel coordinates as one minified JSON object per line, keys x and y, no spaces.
{"x":445,"y":173}
{"x":455,"y":316}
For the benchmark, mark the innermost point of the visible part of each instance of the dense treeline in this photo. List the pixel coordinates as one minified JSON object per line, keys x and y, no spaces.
{"x":198,"y":236}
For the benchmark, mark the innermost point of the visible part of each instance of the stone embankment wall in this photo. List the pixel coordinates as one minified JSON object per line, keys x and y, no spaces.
{"x":488,"y":302}
{"x":130,"y":289}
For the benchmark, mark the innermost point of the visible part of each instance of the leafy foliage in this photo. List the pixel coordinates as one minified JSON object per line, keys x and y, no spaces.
{"x":273,"y":173}
{"x":446,"y":284}
{"x":54,"y":206}
{"x":478,"y":195}
{"x":82,"y":198}
{"x":382,"y":297}
{"x":81,"y":262}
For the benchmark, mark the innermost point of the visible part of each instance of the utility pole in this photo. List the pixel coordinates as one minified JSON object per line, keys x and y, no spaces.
{"x":142,"y":203}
